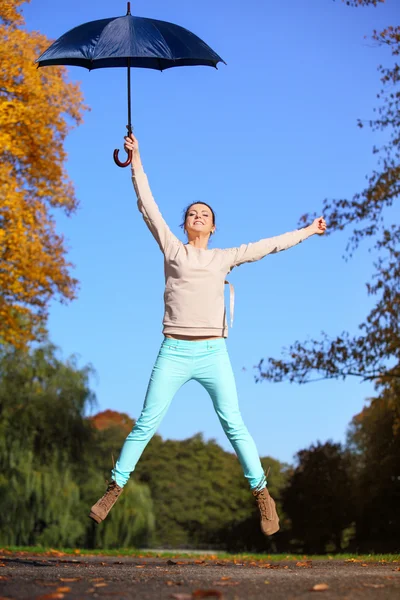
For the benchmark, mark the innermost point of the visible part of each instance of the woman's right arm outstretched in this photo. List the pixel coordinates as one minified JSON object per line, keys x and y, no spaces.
{"x":146,"y":203}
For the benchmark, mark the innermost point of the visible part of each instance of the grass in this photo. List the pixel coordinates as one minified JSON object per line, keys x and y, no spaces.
{"x":129,"y":552}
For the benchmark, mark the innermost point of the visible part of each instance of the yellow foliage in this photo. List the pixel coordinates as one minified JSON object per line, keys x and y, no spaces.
{"x":37,"y":109}
{"x":9,"y":13}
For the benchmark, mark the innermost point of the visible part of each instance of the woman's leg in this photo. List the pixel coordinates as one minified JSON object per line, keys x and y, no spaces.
{"x":171,"y":370}
{"x":214,"y":371}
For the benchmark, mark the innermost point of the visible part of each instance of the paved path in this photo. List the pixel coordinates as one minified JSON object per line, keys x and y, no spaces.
{"x":54,"y":577}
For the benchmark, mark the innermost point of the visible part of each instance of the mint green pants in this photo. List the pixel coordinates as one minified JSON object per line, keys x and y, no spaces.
{"x":178,"y":362}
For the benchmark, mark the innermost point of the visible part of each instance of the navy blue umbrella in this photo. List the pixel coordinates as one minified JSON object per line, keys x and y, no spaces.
{"x":129,"y":42}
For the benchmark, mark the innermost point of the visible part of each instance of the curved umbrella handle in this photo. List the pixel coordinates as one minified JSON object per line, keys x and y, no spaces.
{"x":118,"y":162}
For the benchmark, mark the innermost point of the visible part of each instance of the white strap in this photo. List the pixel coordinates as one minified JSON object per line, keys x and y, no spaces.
{"x":231,"y":301}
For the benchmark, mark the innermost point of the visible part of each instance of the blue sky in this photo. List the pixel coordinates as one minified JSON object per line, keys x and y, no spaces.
{"x":263,"y":140}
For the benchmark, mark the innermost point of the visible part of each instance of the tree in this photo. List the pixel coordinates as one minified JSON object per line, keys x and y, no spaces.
{"x":318,"y":497}
{"x":52,"y":459}
{"x":373,"y":354}
{"x":244,"y":534}
{"x":37,"y":109}
{"x":374,"y":438}
{"x":43,"y":434}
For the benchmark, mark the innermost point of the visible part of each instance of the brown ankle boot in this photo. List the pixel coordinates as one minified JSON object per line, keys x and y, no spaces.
{"x":100,"y":510}
{"x":269,"y":516}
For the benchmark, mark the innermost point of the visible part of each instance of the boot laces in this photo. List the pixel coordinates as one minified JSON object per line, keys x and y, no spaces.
{"x":263,"y":502}
{"x":111,"y":493}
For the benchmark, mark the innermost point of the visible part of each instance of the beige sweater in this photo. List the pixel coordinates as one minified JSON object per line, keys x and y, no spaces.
{"x":195,"y":278}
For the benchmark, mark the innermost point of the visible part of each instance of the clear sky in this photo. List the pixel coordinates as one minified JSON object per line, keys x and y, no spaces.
{"x":263,"y":140}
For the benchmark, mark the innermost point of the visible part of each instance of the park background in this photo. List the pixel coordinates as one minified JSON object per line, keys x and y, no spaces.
{"x":264,"y":140}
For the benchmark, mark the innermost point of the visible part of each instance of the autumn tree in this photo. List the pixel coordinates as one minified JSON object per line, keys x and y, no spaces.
{"x":374,"y":352}
{"x":37,"y":109}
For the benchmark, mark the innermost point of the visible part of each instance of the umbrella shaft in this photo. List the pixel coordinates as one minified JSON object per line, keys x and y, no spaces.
{"x":129,"y":126}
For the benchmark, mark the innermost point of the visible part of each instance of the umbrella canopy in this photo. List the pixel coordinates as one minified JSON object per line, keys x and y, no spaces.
{"x":143,"y":42}
{"x":129,"y":41}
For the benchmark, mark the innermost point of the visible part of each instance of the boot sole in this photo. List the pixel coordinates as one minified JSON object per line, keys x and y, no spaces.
{"x":95,"y":517}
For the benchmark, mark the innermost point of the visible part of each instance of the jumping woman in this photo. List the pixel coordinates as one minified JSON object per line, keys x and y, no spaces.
{"x":195,"y":328}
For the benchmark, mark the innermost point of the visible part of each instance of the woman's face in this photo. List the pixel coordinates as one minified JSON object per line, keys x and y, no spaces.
{"x":199,"y":220}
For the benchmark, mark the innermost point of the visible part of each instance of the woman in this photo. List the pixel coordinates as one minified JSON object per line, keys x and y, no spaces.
{"x":195,"y":329}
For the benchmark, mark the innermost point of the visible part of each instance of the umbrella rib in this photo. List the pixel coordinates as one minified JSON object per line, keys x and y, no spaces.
{"x":165,"y":41}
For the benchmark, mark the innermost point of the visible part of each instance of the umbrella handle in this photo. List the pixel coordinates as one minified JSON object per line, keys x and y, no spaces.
{"x":118,"y":162}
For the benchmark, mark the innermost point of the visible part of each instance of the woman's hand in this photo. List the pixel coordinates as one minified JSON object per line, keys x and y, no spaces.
{"x":132,"y":144}
{"x":318,"y":226}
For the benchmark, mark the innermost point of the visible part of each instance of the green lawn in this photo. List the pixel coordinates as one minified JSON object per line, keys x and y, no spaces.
{"x":363,"y":558}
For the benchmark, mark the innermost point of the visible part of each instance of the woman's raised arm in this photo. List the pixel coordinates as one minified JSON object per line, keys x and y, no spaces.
{"x":146,"y":203}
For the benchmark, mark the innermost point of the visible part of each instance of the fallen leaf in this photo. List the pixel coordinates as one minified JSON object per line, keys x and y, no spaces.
{"x":171,"y":562}
{"x":364,"y":565}
{"x":398,"y":569}
{"x":55,"y":596}
{"x":139,"y":566}
{"x":2,"y":565}
{"x":99,"y":585}
{"x":70,"y":579}
{"x":63,"y":589}
{"x":52,"y":552}
{"x":42,"y":582}
{"x":225,"y":578}
{"x":96,"y":579}
{"x":320,"y":587}
{"x":181,"y":596}
{"x":353,"y":560}
{"x":4,"y":578}
{"x":266,"y":581}
{"x":207,"y":594}
{"x":306,"y":564}
{"x":226,"y":582}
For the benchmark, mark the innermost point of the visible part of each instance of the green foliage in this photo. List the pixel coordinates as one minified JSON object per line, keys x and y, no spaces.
{"x":374,"y":437}
{"x":48,"y":458}
{"x":198,"y":489}
{"x":190,"y":493}
{"x":53,"y":462}
{"x":131,"y":522}
{"x":318,"y":498}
